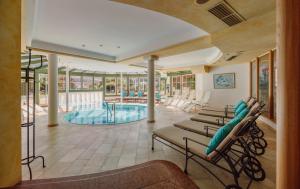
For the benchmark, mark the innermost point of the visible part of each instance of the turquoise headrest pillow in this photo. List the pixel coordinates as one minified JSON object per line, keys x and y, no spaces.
{"x":131,"y":93}
{"x":241,"y":107}
{"x":225,"y":130}
{"x":238,"y":104}
{"x":243,"y":113}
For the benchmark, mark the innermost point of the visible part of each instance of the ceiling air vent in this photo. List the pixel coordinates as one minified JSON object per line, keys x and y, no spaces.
{"x":225,"y":12}
{"x":231,"y":58}
{"x":201,"y":1}
{"x":232,"y":55}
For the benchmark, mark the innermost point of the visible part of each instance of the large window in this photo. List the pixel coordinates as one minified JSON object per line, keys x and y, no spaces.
{"x":188,"y":82}
{"x":168,"y":86}
{"x":24,"y":84}
{"x":119,"y":84}
{"x":176,"y":84}
{"x":162,"y":86}
{"x":143,"y":85}
{"x":61,"y":82}
{"x":110,"y":85}
{"x":43,"y":88}
{"x":134,"y":84}
{"x":157,"y":84}
{"x":98,"y":83}
{"x":181,"y":84}
{"x":87,"y":82}
{"x":75,"y":82}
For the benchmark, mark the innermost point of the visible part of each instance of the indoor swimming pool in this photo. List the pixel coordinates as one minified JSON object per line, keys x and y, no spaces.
{"x":106,"y":114}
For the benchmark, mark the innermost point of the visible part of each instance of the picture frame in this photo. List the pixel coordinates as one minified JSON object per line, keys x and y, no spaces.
{"x":224,"y":81}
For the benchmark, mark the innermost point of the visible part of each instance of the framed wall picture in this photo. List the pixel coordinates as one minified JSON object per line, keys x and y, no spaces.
{"x":224,"y":81}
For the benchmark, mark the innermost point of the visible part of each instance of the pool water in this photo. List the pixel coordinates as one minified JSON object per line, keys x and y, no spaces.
{"x":107,"y":114}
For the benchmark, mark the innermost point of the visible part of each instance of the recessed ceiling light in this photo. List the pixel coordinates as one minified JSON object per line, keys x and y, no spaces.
{"x":83,"y":45}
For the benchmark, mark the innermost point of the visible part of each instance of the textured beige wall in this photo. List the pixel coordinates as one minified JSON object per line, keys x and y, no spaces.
{"x":10,"y":131}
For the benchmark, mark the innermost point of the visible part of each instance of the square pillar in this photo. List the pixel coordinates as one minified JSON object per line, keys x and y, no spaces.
{"x":10,"y":95}
{"x":288,"y":95}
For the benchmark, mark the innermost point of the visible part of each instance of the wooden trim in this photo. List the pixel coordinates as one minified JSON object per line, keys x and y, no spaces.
{"x":288,"y":130}
{"x":264,"y":54}
{"x":271,"y":84}
{"x":250,"y":78}
{"x":257,"y":78}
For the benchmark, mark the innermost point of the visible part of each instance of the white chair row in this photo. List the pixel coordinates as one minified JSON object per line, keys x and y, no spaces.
{"x":200,"y":102}
{"x":187,"y":100}
{"x":80,"y":99}
{"x":38,"y":110}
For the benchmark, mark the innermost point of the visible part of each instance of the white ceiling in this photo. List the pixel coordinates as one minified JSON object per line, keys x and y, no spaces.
{"x":194,"y":58}
{"x":135,"y":30}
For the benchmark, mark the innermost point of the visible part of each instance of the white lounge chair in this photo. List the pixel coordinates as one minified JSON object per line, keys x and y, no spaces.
{"x":201,"y":103}
{"x":188,"y":100}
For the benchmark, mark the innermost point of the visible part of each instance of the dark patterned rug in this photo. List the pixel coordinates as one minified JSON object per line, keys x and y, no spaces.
{"x":150,"y":175}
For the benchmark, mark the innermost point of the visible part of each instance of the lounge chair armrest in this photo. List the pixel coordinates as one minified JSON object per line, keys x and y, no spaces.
{"x":221,"y":120}
{"x":226,"y":120}
{"x":209,"y":127}
{"x":231,"y":111}
{"x":229,"y":108}
{"x":221,"y":117}
{"x":189,"y":139}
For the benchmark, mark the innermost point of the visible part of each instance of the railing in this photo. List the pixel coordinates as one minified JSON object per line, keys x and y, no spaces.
{"x":111,"y":111}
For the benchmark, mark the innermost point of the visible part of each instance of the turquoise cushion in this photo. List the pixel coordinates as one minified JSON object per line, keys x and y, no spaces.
{"x":140,"y":94}
{"x":240,"y":108}
{"x":225,"y":130}
{"x":157,"y":96}
{"x":243,"y":113}
{"x":131,"y":94}
{"x":238,"y":104}
{"x":221,"y":134}
{"x":124,"y":93}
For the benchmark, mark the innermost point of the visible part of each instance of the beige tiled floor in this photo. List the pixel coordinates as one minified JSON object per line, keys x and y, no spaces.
{"x":74,"y":150}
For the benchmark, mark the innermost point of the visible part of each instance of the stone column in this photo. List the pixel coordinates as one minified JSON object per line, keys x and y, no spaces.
{"x":288,"y":94}
{"x":151,"y":87}
{"x":10,"y":95}
{"x":52,"y":90}
{"x":67,"y":87}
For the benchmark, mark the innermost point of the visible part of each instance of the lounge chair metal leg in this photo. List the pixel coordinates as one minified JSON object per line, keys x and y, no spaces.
{"x":235,"y":173}
{"x":186,"y":164}
{"x":152,"y":143}
{"x":186,"y":156}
